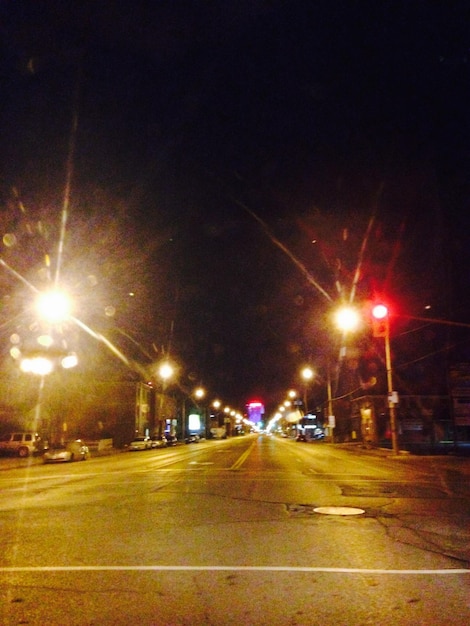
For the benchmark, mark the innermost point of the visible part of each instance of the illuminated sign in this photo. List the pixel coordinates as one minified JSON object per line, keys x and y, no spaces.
{"x":255,"y":411}
{"x":194,"y":422}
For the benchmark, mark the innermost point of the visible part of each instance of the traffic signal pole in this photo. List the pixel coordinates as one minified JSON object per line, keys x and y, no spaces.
{"x":391,"y":403}
{"x":381,"y":328}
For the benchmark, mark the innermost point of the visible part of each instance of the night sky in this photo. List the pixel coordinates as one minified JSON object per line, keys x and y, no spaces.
{"x":228,"y":161}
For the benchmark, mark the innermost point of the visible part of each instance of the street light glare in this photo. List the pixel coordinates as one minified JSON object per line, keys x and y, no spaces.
{"x":347,"y":318}
{"x":199,"y":393}
{"x":69,"y":361}
{"x":166,"y":371}
{"x":40,"y":366}
{"x":53,"y":306}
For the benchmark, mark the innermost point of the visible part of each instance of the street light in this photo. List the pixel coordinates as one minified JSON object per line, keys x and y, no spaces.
{"x":307,"y":374}
{"x":53,"y":306}
{"x":199,"y":393}
{"x":381,"y":328}
{"x":165,"y":371}
{"x":347,"y":318}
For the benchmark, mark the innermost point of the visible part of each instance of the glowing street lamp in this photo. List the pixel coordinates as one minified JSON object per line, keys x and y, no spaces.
{"x":53,"y":306}
{"x":199,"y":393}
{"x":347,"y":318}
{"x":307,"y":374}
{"x":166,"y":371}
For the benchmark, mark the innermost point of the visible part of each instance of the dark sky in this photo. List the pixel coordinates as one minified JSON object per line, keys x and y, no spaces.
{"x":227,"y":161}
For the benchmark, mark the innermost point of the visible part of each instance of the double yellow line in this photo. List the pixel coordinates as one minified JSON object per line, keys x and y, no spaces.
{"x":239,"y":462}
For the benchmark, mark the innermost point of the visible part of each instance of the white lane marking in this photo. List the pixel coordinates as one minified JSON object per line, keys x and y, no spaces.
{"x":235,"y":568}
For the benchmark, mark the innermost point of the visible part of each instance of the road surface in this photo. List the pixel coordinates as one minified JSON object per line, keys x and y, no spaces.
{"x":253,"y":530}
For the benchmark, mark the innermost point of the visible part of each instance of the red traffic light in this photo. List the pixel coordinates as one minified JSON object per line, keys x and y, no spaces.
{"x":380,"y":311}
{"x":379,"y":320}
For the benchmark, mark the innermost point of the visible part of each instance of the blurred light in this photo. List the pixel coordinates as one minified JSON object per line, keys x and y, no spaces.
{"x":69,"y":361}
{"x":194,"y":422}
{"x":45,"y":340}
{"x":37,"y":365}
{"x":199,"y":393}
{"x":380,"y":311}
{"x":166,"y":371}
{"x":15,"y":352}
{"x":53,"y":306}
{"x":307,"y":373}
{"x":347,"y":318}
{"x":9,"y":240}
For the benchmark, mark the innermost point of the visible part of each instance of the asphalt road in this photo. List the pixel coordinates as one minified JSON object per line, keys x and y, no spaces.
{"x":254,"y":530}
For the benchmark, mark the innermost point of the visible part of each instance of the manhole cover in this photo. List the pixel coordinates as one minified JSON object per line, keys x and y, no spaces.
{"x":338,"y":510}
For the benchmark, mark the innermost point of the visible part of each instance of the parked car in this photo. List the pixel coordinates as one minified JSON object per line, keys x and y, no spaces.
{"x":159,"y":441}
{"x":21,"y":444}
{"x":140,"y":443}
{"x":67,"y":452}
{"x":193,"y":438}
{"x":171,"y":440}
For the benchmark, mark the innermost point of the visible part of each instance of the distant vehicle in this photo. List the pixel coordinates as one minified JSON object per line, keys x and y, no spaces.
{"x":21,"y":444}
{"x":314,"y":434}
{"x":159,"y":441}
{"x":171,"y":440}
{"x":140,"y":443}
{"x":192,"y":438}
{"x":67,"y":452}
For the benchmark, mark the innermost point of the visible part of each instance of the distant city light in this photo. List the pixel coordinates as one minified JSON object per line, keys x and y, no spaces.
{"x":255,"y":411}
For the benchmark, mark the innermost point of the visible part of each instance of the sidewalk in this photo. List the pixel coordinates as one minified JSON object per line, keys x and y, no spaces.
{"x":446,"y":462}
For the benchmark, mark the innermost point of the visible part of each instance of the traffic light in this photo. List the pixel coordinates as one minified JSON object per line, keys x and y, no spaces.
{"x":380,"y":320}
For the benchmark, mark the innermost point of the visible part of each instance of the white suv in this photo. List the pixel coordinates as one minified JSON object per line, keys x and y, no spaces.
{"x":22,"y":444}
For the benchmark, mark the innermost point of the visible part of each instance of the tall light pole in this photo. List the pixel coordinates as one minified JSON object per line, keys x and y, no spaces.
{"x":200,"y":394}
{"x":307,"y":375}
{"x":382,"y":329}
{"x":347,"y":320}
{"x":166,"y":371}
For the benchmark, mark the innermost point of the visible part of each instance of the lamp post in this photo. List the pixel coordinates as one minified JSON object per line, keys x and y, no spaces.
{"x":200,"y":394}
{"x":347,"y":319}
{"x":165,"y":372}
{"x":381,"y":328}
{"x":307,"y":375}
{"x":214,"y":423}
